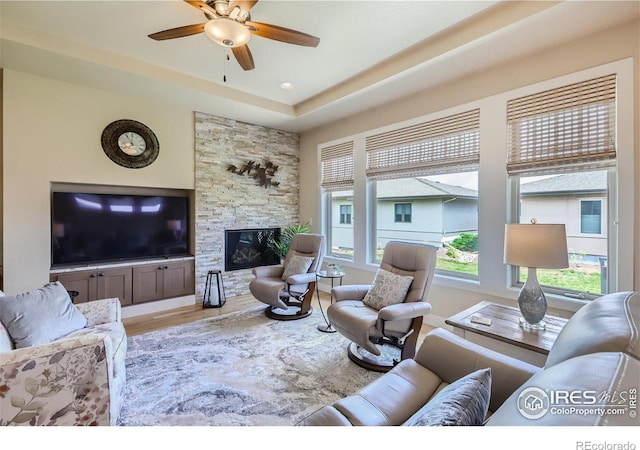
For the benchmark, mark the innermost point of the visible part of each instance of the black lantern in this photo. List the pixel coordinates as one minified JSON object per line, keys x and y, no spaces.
{"x":214,"y":295}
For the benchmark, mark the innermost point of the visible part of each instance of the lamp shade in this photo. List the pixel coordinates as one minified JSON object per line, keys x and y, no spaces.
{"x":536,"y":245}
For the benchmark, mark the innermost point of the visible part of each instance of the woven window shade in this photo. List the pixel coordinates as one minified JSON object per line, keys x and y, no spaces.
{"x":449,"y":144}
{"x":562,"y":130}
{"x":337,"y":167}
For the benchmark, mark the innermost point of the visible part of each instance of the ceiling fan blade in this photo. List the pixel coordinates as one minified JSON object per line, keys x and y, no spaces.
{"x":245,"y":5}
{"x":202,"y":6}
{"x":282,"y":34}
{"x":244,"y":57}
{"x":173,"y":33}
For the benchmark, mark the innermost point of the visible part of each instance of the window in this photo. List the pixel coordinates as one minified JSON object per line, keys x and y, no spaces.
{"x":337,"y":187}
{"x":402,"y":212}
{"x":561,"y":148}
{"x":424,"y":187}
{"x":591,"y":216}
{"x":345,"y":214}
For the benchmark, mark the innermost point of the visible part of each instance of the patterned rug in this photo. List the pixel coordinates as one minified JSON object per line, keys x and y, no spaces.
{"x":237,"y":369}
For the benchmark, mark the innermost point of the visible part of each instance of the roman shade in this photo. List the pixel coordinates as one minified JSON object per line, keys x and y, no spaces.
{"x":445,"y":145}
{"x":571,"y":128}
{"x":337,"y":167}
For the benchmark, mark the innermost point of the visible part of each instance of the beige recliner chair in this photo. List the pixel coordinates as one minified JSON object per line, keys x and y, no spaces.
{"x":288,"y":288}
{"x":390,"y":311}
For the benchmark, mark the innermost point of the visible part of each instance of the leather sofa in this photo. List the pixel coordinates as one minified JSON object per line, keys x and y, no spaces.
{"x":590,"y":377}
{"x":78,"y":379}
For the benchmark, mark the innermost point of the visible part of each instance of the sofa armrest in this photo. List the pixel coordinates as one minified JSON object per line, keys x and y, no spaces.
{"x":268,"y":271}
{"x":401,"y":311}
{"x":350,"y":292}
{"x":101,"y":311}
{"x":325,"y":417}
{"x":301,"y":278}
{"x":65,"y":382}
{"x":451,"y":357}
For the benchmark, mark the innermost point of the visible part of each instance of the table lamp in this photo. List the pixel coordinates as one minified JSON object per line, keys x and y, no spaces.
{"x":535,"y":246}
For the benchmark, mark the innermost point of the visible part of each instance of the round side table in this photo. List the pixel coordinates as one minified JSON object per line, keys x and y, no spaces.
{"x":333,"y":276}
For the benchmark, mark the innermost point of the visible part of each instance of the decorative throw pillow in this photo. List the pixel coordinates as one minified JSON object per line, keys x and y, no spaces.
{"x":297,"y":265}
{"x":387,"y":289}
{"x":40,"y":316}
{"x":463,"y":403}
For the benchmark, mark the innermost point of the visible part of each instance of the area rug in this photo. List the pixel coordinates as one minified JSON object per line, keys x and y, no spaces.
{"x":237,"y":369}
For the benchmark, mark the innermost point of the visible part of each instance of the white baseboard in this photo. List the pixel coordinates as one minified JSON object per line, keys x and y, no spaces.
{"x":157,"y":306}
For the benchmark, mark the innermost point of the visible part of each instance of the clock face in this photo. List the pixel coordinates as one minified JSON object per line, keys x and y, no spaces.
{"x":132,"y":143}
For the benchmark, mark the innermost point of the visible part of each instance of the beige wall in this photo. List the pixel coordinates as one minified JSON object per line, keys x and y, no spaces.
{"x":52,"y":134}
{"x":603,"y":47}
{"x":1,"y":178}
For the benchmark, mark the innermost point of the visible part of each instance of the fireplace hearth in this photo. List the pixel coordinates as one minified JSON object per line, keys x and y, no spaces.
{"x":248,"y":248}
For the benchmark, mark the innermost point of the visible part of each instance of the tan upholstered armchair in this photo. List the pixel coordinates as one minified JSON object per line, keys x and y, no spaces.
{"x":391,"y":310}
{"x":288,"y":288}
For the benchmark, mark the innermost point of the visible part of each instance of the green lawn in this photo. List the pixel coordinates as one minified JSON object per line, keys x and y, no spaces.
{"x":456,"y":266}
{"x":570,"y":279}
{"x":573,"y":279}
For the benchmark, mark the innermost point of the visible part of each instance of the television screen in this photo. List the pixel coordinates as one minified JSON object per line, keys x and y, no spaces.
{"x":88,"y":228}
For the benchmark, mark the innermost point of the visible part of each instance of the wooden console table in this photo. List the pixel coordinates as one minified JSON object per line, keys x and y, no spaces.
{"x":505,"y":334}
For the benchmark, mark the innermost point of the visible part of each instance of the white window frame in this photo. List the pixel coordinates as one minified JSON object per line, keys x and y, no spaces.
{"x":493,"y":184}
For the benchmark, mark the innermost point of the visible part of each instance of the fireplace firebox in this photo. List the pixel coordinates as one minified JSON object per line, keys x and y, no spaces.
{"x":248,"y":248}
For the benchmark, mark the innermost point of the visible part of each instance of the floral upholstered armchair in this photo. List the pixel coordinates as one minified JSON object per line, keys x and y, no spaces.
{"x":76,"y":379}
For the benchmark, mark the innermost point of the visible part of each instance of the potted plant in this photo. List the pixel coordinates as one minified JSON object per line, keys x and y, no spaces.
{"x":333,"y":268}
{"x":281,"y":246}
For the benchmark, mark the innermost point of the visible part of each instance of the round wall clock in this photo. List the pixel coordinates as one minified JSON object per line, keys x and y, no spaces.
{"x":130,"y":143}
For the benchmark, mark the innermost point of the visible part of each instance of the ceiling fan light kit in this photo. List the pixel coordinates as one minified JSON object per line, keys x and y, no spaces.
{"x":228,"y":25}
{"x":227,"y":32}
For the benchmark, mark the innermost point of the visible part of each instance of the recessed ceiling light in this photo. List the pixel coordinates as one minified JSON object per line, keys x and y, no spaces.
{"x":286,"y":85}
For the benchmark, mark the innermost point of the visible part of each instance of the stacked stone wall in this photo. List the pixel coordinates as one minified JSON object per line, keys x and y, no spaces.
{"x":225,"y":200}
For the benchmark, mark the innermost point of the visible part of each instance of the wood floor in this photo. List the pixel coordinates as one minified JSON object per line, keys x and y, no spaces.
{"x":164,"y":319}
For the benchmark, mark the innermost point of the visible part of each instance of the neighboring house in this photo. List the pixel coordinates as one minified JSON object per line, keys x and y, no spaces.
{"x":579,"y":200}
{"x":415,"y":210}
{"x":420,"y":210}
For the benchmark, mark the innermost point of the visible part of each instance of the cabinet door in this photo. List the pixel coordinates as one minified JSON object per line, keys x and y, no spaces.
{"x":147,"y":283}
{"x":116,"y":282}
{"x":178,"y":279}
{"x":85,"y":282}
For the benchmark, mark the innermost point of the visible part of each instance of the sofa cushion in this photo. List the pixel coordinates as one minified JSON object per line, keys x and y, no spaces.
{"x":297,"y":265}
{"x":463,"y":403}
{"x":607,"y":324}
{"x":40,"y":316}
{"x":387,"y":289}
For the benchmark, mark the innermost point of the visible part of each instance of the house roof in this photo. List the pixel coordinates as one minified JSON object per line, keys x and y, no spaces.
{"x":421,"y":188}
{"x":581,"y":182}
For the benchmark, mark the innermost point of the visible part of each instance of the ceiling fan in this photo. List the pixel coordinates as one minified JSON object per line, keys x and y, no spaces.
{"x":228,"y":24}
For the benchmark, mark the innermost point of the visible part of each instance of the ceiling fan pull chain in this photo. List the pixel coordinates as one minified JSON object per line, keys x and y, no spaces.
{"x":224,"y":77}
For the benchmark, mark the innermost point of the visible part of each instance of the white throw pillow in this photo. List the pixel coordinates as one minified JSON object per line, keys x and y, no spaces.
{"x":387,"y":289}
{"x":40,"y":316}
{"x":297,"y":265}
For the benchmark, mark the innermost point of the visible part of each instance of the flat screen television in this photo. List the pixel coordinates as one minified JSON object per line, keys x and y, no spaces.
{"x":90,"y":228}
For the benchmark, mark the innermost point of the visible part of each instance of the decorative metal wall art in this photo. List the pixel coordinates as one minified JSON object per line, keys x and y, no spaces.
{"x":263,"y":174}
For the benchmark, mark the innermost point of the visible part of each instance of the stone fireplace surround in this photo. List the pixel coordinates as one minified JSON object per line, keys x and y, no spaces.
{"x":224,"y":200}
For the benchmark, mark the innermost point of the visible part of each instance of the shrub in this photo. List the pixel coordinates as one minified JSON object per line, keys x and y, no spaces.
{"x":467,"y":242}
